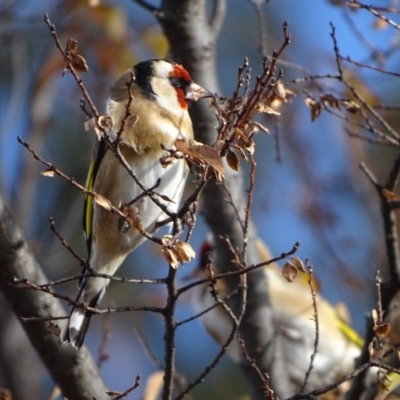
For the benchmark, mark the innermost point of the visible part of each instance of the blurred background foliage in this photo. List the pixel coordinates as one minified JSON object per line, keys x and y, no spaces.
{"x":308,"y":185}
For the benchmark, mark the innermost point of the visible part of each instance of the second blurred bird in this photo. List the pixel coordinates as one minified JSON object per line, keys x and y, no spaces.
{"x":292,"y":306}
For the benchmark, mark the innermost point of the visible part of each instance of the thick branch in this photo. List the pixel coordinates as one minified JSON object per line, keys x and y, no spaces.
{"x":193,"y":44}
{"x":77,"y":376}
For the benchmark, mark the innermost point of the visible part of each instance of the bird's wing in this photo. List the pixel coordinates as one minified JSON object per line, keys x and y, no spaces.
{"x":98,"y":155}
{"x":348,"y":332}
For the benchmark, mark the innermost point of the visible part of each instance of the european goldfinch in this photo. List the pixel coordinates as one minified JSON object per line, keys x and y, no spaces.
{"x":338,"y":346}
{"x":162,"y":91}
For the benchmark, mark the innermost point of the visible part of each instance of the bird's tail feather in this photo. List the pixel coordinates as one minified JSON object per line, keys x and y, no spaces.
{"x":79,"y":320}
{"x":77,"y":327}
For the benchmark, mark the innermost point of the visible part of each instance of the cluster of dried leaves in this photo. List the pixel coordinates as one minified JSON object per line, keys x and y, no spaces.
{"x":236,"y":124}
{"x":175,"y":251}
{"x":328,"y":100}
{"x":235,"y":116}
{"x":73,"y":58}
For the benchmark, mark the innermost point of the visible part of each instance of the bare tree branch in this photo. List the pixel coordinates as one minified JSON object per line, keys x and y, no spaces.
{"x":62,"y":362}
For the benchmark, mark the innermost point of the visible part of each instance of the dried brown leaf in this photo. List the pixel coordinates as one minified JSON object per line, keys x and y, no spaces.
{"x":261,"y":127}
{"x":351,"y":106}
{"x":315,"y":108}
{"x":97,"y":125}
{"x":76,"y":60}
{"x":170,"y":256}
{"x":102,"y":201}
{"x":389,"y":195}
{"x":375,"y":317}
{"x":250,"y":147}
{"x":233,"y":160}
{"x":166,"y":240}
{"x":98,"y":132}
{"x":315,"y":112}
{"x":166,"y":198}
{"x":72,"y":46}
{"x":332,"y":101}
{"x":176,"y":252}
{"x":201,"y":154}
{"x":289,"y":271}
{"x":250,"y":129}
{"x":5,"y":394}
{"x":240,"y":151}
{"x":210,"y":156}
{"x":167,"y":251}
{"x":168,"y":160}
{"x":105,"y":122}
{"x":79,"y":63}
{"x":132,"y":217}
{"x":48,"y":172}
{"x":382,"y":330}
{"x":239,"y":132}
{"x":89,"y":124}
{"x":184,"y":252}
{"x":113,"y":393}
{"x":181,"y":145}
{"x":298,"y":264}
{"x":309,"y":102}
{"x":218,"y":145}
{"x":276,"y":103}
{"x":280,"y":90}
{"x":283,"y":92}
{"x":267,"y":109}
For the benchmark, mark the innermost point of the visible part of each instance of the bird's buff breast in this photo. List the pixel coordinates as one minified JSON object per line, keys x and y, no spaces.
{"x":121,"y":188}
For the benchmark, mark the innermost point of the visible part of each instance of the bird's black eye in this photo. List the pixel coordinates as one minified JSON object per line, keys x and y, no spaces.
{"x":178,"y":83}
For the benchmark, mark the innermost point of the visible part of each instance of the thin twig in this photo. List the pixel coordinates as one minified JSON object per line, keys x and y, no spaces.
{"x":371,"y":67}
{"x":64,"y":243}
{"x":169,"y":336}
{"x":146,"y":346}
{"x":261,"y":26}
{"x":70,"y":67}
{"x":129,"y":390}
{"x":235,"y":326}
{"x":240,"y":272}
{"x":250,"y":193}
{"x":128,"y":112}
{"x":95,"y":195}
{"x":264,"y":378}
{"x":374,"y":12}
{"x":149,"y":7}
{"x":83,"y":306}
{"x":316,"y":320}
{"x":105,"y":337}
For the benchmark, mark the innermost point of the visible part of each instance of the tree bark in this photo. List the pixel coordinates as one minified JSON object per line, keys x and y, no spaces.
{"x":192,"y":37}
{"x":76,"y":373}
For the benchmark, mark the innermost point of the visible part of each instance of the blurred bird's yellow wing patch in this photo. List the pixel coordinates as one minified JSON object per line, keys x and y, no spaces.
{"x":349,"y":332}
{"x":88,"y":204}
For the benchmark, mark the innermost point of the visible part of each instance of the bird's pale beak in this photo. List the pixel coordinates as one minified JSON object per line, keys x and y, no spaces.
{"x":196,"y":92}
